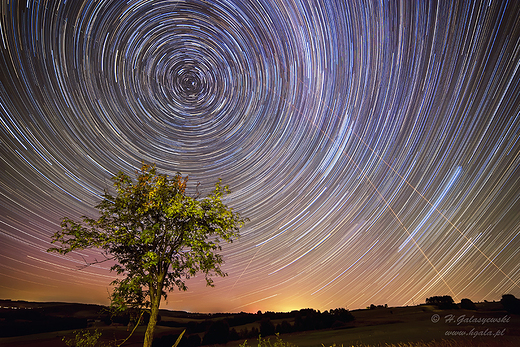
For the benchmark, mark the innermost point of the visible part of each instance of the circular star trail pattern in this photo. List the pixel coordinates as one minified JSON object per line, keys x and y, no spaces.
{"x":374,"y":146}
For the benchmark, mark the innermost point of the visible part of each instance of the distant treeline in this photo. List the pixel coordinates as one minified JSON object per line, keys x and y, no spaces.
{"x":34,"y":321}
{"x":510,"y":303}
{"x":23,"y":318}
{"x":222,"y":330}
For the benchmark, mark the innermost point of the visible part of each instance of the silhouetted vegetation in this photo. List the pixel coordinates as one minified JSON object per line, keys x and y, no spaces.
{"x":511,"y":303}
{"x":33,"y":321}
{"x":158,"y":235}
{"x":284,"y":327}
{"x":443,"y":302}
{"x":467,"y":304}
{"x":263,"y":342}
{"x":219,"y":329}
{"x":218,"y":332}
{"x":213,"y":328}
{"x":87,"y":338}
{"x":373,"y":307}
{"x":267,"y":327}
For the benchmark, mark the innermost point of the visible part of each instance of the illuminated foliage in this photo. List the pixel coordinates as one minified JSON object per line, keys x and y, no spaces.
{"x":158,"y":236}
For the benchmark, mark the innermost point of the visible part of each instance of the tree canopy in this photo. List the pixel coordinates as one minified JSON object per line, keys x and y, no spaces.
{"x":443,"y":302}
{"x":158,"y":235}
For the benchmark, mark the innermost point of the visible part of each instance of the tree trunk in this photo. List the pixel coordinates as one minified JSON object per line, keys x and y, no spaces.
{"x":154,"y":312}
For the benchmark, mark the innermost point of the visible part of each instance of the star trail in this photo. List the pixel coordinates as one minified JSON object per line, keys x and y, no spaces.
{"x":373,"y":145}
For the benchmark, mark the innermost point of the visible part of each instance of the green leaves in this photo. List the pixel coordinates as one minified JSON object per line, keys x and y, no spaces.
{"x":149,"y":260}
{"x":159,"y":235}
{"x":83,"y":338}
{"x":148,"y":235}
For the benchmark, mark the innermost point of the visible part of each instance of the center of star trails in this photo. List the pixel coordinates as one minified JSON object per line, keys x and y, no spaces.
{"x":190,"y":84}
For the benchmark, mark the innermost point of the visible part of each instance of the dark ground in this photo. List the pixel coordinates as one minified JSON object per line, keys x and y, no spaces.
{"x":490,"y":325}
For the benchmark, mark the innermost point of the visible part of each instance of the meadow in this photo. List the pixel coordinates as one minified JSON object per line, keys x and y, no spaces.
{"x":422,"y":326}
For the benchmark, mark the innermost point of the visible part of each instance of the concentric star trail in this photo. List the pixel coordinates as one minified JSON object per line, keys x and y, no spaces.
{"x":374,"y":146}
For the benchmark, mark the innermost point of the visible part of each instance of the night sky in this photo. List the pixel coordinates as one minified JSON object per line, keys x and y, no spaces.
{"x":374,"y":146}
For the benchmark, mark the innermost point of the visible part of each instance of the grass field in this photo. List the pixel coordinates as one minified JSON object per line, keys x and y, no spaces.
{"x":413,"y":326}
{"x":398,"y":326}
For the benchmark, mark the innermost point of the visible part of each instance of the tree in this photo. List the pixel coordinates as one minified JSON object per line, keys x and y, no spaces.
{"x":511,"y":303}
{"x":157,"y":235}
{"x":267,"y":327}
{"x":467,"y":304}
{"x":218,"y":333}
{"x":443,"y":302}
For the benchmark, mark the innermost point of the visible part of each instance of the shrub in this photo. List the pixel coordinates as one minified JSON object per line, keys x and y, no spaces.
{"x":467,"y":304}
{"x":511,"y":303}
{"x":442,"y":302}
{"x":86,"y":338}
{"x":284,"y":327}
{"x":217,"y":333}
{"x":267,"y":327}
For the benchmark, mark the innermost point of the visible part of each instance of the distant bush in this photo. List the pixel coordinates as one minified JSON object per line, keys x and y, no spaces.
{"x":511,"y":303}
{"x":193,"y":327}
{"x":309,"y":319}
{"x":373,"y":307}
{"x":467,"y":304}
{"x":267,"y":327}
{"x":218,"y":332}
{"x":233,"y":335}
{"x":442,"y":302}
{"x":284,"y":327}
{"x":244,"y":318}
